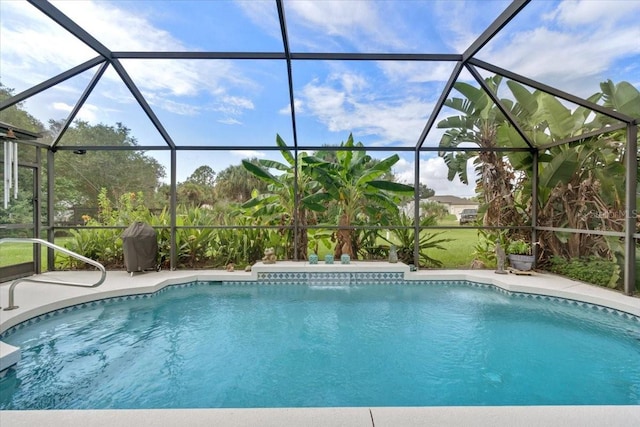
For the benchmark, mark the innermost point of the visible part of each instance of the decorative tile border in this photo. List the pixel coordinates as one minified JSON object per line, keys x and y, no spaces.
{"x":95,"y":303}
{"x":526,"y":295}
{"x":322,"y":279}
{"x":328,"y":278}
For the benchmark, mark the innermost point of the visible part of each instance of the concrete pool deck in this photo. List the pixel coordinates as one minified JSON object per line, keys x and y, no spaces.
{"x":35,"y":299}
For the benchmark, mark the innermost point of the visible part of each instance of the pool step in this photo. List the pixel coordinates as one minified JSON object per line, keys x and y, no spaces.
{"x":9,"y":357}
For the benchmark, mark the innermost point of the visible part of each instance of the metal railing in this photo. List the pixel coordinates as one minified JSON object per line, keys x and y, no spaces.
{"x":15,"y":283}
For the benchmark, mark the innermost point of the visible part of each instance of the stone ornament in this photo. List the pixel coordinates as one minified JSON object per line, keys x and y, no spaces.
{"x":269,"y":256}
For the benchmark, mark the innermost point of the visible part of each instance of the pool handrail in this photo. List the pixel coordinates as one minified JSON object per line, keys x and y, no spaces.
{"x":13,"y":285}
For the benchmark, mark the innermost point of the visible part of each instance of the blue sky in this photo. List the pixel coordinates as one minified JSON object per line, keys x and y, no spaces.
{"x":572,"y":45}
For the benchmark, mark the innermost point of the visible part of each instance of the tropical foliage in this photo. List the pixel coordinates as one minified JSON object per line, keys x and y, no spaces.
{"x":288,"y":197}
{"x":352,"y":183}
{"x":580,"y":185}
{"x":345,"y":184}
{"x":198,"y":243}
{"x":404,"y":239}
{"x":345,"y":191}
{"x":334,"y":196}
{"x":478,"y":124}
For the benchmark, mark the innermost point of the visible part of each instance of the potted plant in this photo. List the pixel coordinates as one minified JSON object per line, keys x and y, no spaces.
{"x":520,"y":255}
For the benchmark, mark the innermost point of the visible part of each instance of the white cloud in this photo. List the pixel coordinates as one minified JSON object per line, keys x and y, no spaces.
{"x":584,"y":12}
{"x":387,"y":108}
{"x":88,"y":112}
{"x":433,"y":174}
{"x":118,"y":29}
{"x":180,"y":108}
{"x":31,"y":45}
{"x":454,"y":18}
{"x":298,"y":104}
{"x":590,"y":55}
{"x":230,"y":121}
{"x":188,"y":78}
{"x":248,"y":154}
{"x":62,"y":106}
{"x":161,"y":81}
{"x":348,"y":103}
{"x":417,"y":72}
{"x":573,"y":47}
{"x":234,"y":105}
{"x":361,"y":24}
{"x":264,"y":15}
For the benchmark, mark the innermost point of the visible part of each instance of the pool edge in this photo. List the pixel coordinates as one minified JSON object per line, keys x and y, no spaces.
{"x":477,"y":416}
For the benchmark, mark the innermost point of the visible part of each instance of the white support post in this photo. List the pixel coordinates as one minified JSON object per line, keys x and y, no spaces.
{"x":630,"y":209}
{"x":7,"y":173}
{"x":15,"y":169}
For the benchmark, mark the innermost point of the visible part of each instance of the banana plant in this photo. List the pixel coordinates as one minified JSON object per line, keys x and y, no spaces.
{"x":478,"y":124}
{"x":352,"y":182}
{"x":278,"y":206}
{"x":579,"y":183}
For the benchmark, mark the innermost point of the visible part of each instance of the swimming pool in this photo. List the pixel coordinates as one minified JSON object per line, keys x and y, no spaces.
{"x":209,"y":345}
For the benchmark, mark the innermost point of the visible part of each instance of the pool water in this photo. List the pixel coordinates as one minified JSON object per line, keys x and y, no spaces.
{"x":215,"y":346}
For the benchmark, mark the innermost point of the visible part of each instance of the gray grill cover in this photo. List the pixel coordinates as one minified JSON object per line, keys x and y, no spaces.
{"x":140,"y":247}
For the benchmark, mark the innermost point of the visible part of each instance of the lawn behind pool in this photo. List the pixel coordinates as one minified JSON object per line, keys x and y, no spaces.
{"x":457,"y":253}
{"x":18,"y":253}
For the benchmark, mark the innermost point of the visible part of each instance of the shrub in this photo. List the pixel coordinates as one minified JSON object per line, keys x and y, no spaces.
{"x":595,"y":270}
{"x":485,"y":248}
{"x":104,"y":244}
{"x":427,"y":240}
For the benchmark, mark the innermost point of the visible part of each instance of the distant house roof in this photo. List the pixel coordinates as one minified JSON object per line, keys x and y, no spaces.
{"x":452,"y":200}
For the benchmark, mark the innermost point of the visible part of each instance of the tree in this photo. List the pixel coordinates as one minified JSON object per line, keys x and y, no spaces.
{"x":433,"y":209}
{"x":198,"y":188}
{"x":236,"y":183}
{"x":204,"y":176}
{"x":581,"y":184}
{"x":16,"y":115}
{"x":352,"y":184}
{"x":79,"y":178}
{"x":191,"y":194}
{"x":478,"y":125}
{"x":281,"y":204}
{"x":425,"y":192}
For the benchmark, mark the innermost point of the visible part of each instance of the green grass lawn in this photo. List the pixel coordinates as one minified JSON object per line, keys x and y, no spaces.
{"x":18,"y":253}
{"x":458,"y":252}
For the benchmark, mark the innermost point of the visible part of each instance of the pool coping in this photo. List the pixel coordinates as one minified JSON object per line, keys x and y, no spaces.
{"x":464,"y":416}
{"x":36,"y":299}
